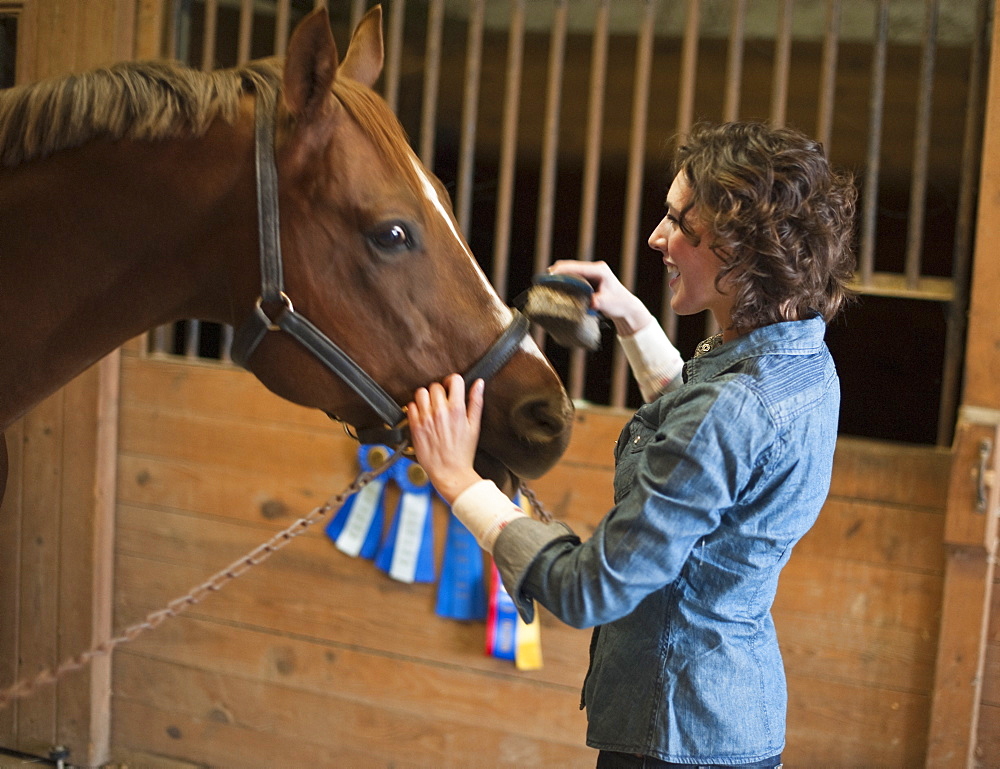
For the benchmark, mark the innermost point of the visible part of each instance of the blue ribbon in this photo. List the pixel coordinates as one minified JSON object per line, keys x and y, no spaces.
{"x":461,"y":591}
{"x":357,"y":527}
{"x":407,"y":553}
{"x":501,"y":624}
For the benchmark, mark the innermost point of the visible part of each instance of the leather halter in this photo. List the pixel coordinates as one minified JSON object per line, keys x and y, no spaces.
{"x":250,"y":334}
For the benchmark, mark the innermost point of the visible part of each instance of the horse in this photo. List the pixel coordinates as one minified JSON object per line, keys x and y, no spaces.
{"x":282,"y":198}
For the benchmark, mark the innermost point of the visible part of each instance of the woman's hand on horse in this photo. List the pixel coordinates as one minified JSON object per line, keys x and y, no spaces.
{"x":610,"y":297}
{"x":445,"y":433}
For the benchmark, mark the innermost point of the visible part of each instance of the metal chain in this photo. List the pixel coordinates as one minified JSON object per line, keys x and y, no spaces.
{"x":213,"y":584}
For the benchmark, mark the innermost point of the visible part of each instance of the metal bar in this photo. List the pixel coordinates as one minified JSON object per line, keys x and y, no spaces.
{"x":357,"y":11}
{"x":192,"y":339}
{"x":470,"y":114}
{"x":432,"y":79}
{"x":685,"y":118}
{"x":828,"y":75}
{"x":245,"y":32}
{"x":921,"y":148}
{"x":208,"y":39}
{"x":634,"y":183}
{"x":782,"y":64}
{"x":394,"y":48}
{"x":591,"y":170}
{"x":550,"y":145}
{"x":876,"y":104}
{"x":689,"y":68}
{"x":282,"y":24}
{"x":508,"y":148}
{"x":734,"y":62}
{"x":954,"y":347}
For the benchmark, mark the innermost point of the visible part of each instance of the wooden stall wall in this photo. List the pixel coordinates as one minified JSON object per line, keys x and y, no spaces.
{"x":315,"y":658}
{"x":56,"y":518}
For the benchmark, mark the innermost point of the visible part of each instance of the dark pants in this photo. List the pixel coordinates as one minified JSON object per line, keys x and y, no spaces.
{"x":609,"y":760}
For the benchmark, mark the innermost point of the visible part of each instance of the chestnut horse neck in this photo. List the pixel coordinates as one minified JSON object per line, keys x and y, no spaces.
{"x":250,"y":334}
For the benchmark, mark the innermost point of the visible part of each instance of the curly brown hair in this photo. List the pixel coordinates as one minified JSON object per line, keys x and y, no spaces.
{"x":780,"y":218}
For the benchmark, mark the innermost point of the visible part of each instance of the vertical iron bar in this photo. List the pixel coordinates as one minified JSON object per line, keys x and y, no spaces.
{"x":634,"y":183}
{"x":782,"y":64}
{"x":208,"y":39}
{"x":591,"y":170}
{"x":282,"y":24}
{"x":394,"y":48}
{"x":357,"y":11}
{"x":470,"y":114}
{"x":508,"y":148}
{"x":685,"y":118}
{"x":828,"y":75}
{"x":245,"y":32}
{"x":432,"y":79}
{"x":875,"y":109}
{"x":921,"y":148}
{"x":734,"y":63}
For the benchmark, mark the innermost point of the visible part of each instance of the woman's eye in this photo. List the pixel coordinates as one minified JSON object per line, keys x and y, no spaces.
{"x":392,"y":237}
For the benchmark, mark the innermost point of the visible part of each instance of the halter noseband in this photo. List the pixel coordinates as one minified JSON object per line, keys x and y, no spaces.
{"x":249,"y":335}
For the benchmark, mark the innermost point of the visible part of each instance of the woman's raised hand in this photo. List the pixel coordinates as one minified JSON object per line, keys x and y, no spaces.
{"x":611,"y":298}
{"x":445,"y":433}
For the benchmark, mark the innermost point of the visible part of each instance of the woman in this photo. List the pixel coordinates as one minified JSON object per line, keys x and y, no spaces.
{"x":717,"y":476}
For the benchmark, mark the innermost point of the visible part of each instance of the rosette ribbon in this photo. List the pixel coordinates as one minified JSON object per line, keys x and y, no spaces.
{"x":357,"y":527}
{"x":461,"y":590}
{"x":407,"y":552}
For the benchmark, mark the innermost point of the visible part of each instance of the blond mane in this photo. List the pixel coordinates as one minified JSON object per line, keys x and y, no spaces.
{"x":136,"y":100}
{"x":154,"y":100}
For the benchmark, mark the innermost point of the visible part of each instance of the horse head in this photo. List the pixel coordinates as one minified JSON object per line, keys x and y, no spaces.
{"x":372,"y":255}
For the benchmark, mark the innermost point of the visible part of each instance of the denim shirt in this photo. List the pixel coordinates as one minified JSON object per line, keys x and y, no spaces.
{"x":715,"y":482}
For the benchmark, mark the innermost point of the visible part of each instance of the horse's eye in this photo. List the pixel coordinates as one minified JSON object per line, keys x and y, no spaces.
{"x":392,"y":237}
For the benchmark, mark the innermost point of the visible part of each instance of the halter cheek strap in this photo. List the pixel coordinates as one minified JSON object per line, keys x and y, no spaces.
{"x":249,"y":335}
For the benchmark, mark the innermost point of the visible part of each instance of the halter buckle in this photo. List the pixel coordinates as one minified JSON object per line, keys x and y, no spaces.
{"x":268,"y":323}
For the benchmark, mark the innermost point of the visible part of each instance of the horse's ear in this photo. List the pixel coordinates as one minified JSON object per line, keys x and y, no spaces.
{"x":310,"y":65}
{"x":365,"y":54}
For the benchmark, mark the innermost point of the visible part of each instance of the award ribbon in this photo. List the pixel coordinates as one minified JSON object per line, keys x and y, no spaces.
{"x":461,"y":592}
{"x":407,"y":553}
{"x":501,"y":620}
{"x":357,"y":527}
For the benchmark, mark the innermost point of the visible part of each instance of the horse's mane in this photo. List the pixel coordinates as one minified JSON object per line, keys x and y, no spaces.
{"x":137,"y":100}
{"x":153,"y":100}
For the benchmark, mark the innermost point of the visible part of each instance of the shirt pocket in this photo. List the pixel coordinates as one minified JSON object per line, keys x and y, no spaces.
{"x":631,"y":443}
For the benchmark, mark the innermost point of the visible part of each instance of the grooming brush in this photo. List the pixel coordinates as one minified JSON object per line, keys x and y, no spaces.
{"x":561,"y":305}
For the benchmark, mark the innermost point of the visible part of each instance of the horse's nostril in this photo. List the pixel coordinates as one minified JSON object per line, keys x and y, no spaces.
{"x":540,"y":419}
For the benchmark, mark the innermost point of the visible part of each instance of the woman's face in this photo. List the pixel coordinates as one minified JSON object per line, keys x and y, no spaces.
{"x":691,"y":269}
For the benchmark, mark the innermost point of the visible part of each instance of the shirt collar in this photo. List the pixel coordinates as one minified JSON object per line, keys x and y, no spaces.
{"x":797,"y":337}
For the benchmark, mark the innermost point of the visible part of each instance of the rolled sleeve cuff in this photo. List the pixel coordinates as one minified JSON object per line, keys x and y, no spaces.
{"x":485,"y":511}
{"x":654,"y":360}
{"x":517,"y":547}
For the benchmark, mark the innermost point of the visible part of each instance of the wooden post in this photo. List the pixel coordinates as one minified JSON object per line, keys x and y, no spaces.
{"x":971,"y":545}
{"x":971,"y":535}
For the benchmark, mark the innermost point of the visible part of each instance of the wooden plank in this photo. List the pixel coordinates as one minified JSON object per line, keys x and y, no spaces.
{"x":408,"y":684}
{"x":902,"y":474}
{"x":314,"y":590}
{"x":971,"y":541}
{"x":878,"y":534}
{"x":10,"y":578}
{"x":39,"y":601}
{"x":223,"y":720}
{"x":837,"y":724}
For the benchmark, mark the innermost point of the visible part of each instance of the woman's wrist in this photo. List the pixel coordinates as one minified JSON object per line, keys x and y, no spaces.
{"x":634,"y":320}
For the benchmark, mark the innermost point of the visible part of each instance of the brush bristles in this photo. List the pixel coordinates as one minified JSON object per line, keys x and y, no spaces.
{"x":565,"y":316}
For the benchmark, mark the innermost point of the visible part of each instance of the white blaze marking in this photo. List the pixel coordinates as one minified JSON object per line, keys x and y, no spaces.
{"x":431,"y":193}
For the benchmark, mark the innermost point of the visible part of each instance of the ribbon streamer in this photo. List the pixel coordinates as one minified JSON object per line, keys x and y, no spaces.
{"x":407,"y":553}
{"x":461,"y":591}
{"x":501,"y":621}
{"x":357,"y":527}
